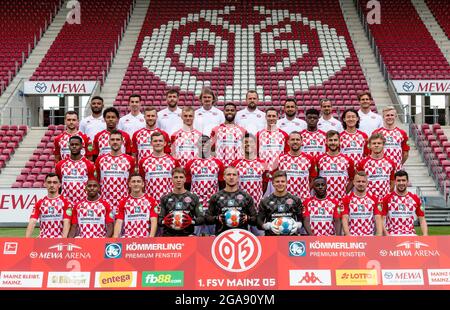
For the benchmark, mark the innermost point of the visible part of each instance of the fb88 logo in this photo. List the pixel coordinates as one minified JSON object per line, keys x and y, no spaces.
{"x":162,"y":278}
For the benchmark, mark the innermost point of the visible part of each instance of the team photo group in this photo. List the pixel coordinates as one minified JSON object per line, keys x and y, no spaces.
{"x":199,"y":172}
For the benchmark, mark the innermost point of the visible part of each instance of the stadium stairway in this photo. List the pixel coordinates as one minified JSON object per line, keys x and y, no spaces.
{"x":37,"y":54}
{"x":120,"y":63}
{"x":21,"y":156}
{"x":365,"y":55}
{"x":433,"y":27}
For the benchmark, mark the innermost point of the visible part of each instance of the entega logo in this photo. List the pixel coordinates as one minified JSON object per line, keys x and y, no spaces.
{"x":116,"y":279}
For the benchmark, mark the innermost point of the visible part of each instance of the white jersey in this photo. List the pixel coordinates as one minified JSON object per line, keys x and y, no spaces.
{"x":289,"y":126}
{"x":130,"y":123}
{"x":169,"y":121}
{"x":251,"y":121}
{"x":206,"y":120}
{"x":331,"y":124}
{"x":369,"y":122}
{"x":91,"y":126}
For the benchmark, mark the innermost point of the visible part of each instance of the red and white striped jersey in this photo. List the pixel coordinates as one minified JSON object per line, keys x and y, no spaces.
{"x":399,"y":212}
{"x":62,"y":144}
{"x":101,"y":143}
{"x":313,"y":142}
{"x":113,"y":173}
{"x":74,"y":175}
{"x":142,"y":142}
{"x":135,"y":214}
{"x":380,"y":172}
{"x":321,"y":213}
{"x":299,"y":169}
{"x":157,"y":173}
{"x":271,"y":145}
{"x":227,"y":140}
{"x":204,"y":175}
{"x":396,"y":144}
{"x":51,"y":213}
{"x":361,"y":213}
{"x":354,"y":145}
{"x":252,"y":174}
{"x":92,"y":217}
{"x":185,"y":145}
{"x":338,"y":170}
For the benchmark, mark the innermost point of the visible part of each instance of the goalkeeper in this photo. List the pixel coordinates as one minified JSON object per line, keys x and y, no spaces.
{"x":281,"y":212}
{"x":181,"y":210}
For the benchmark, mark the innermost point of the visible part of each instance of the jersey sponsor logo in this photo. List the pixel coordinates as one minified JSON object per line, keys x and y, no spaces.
{"x":179,"y":205}
{"x":309,"y":277}
{"x":204,"y":170}
{"x":137,"y":209}
{"x":116,"y":279}
{"x":402,"y":276}
{"x":230,"y":203}
{"x":356,"y":277}
{"x":281,"y":208}
{"x":236,"y":250}
{"x":163,"y":279}
{"x":114,"y":166}
{"x":72,"y":279}
{"x":297,"y":248}
{"x":113,"y":250}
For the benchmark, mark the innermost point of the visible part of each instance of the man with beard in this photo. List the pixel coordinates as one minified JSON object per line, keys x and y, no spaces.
{"x":169,"y":119}
{"x":227,"y":138}
{"x":327,"y":122}
{"x":94,"y":123}
{"x":134,"y":120}
{"x":314,"y":139}
{"x":399,"y":208}
{"x":336,"y":168}
{"x":251,"y":118}
{"x":290,"y":122}
{"x":207,"y":116}
{"x":141,"y":141}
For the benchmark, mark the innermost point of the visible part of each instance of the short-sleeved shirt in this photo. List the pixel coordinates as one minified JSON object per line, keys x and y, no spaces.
{"x":399,"y":212}
{"x":380,"y":172}
{"x":361,"y":212}
{"x":227,"y":140}
{"x":130,"y":123}
{"x":142,"y":142}
{"x":338,"y":171}
{"x":354,"y":145}
{"x":321,"y":213}
{"x":271,"y":145}
{"x":331,"y":124}
{"x":185,"y":145}
{"x":90,"y":126}
{"x":51,"y":213}
{"x":170,"y":121}
{"x":206,"y":120}
{"x":289,"y":126}
{"x":101,"y":143}
{"x":135,"y":214}
{"x":251,"y":121}
{"x":92,"y":218}
{"x":396,"y":144}
{"x":74,"y":175}
{"x":299,"y":170}
{"x":62,"y":144}
{"x":369,"y":122}
{"x":313,"y":142}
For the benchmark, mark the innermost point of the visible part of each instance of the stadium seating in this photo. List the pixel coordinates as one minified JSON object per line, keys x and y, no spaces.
{"x":441,"y":11}
{"x":22,"y":23}
{"x":189,"y":44}
{"x":41,"y":162}
{"x":407,"y":48}
{"x":10,"y":137}
{"x":84,"y":51}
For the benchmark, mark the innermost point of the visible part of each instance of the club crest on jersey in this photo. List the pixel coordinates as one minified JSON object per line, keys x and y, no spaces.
{"x":290,"y":201}
{"x":240,"y":197}
{"x":179,"y":205}
{"x":281,"y":208}
{"x":187,"y":199}
{"x":230,"y":203}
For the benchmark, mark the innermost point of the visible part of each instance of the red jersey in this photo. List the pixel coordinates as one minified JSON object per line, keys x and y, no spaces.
{"x":51,"y":213}
{"x":135,"y":214}
{"x":157,"y":173}
{"x":399,"y":212}
{"x":227,"y":140}
{"x":101,"y":143}
{"x":92,"y":217}
{"x":204,"y":175}
{"x":321,"y":213}
{"x":252,"y":174}
{"x":314,"y":142}
{"x":185,"y":145}
{"x":361,"y":212}
{"x":338,"y":170}
{"x":141,"y":142}
{"x":62,"y":144}
{"x":396,"y":144}
{"x":299,"y":169}
{"x":354,"y":145}
{"x":113,"y":173}
{"x":74,"y":175}
{"x":380,"y":172}
{"x":271,"y":145}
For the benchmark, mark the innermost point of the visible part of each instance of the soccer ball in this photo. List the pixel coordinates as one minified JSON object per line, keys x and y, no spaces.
{"x":232,"y":217}
{"x":284,"y":225}
{"x":180,"y":220}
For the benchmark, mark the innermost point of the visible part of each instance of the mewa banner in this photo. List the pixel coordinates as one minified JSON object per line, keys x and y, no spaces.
{"x":234,"y":260}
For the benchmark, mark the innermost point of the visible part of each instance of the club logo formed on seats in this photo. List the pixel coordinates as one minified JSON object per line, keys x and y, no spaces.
{"x":271,"y":41}
{"x":408,"y":86}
